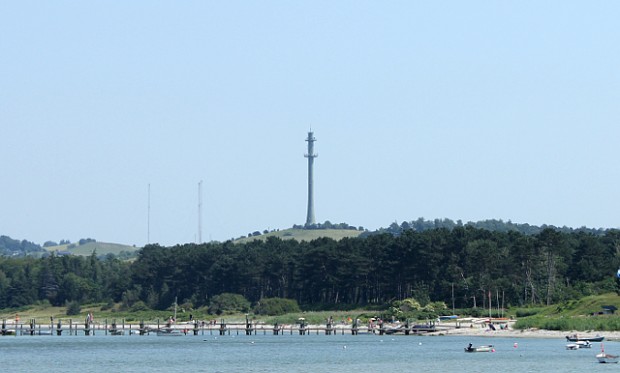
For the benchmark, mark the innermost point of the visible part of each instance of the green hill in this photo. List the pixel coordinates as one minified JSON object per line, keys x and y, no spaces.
{"x":584,"y":314}
{"x":584,"y":306}
{"x":87,"y":249}
{"x":304,"y":234}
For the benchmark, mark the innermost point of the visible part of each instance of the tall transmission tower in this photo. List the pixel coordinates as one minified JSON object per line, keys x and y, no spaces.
{"x":310,"y":155}
{"x":148,"y":217}
{"x":200,"y":212}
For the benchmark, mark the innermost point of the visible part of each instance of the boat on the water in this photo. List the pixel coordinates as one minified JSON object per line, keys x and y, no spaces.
{"x":487,"y":348}
{"x":604,"y":357}
{"x":169,"y":332}
{"x":576,"y":338}
{"x":579,"y":344}
{"x":169,"y":329}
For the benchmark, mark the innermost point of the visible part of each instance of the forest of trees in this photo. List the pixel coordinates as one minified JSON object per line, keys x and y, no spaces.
{"x":496,"y":225}
{"x":459,"y":266}
{"x":9,"y":246}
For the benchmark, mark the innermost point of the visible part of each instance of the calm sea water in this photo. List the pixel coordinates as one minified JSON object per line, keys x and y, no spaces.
{"x":293,"y":353}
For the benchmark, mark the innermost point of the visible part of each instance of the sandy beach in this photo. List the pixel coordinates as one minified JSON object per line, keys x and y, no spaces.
{"x":485,"y":331}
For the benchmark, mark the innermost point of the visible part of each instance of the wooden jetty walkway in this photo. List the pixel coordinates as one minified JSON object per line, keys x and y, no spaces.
{"x":65,"y":327}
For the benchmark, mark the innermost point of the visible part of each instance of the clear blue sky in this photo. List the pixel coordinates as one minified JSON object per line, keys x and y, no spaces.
{"x":465,"y":110}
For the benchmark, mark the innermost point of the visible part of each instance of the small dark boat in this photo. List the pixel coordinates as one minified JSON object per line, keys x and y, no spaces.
{"x":576,"y":338}
{"x":488,"y":348}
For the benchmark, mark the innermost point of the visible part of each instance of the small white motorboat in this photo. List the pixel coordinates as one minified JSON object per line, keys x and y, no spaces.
{"x":584,"y":344}
{"x":578,"y":345}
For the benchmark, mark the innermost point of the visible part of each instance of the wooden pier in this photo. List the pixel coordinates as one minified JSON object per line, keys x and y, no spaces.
{"x":68,"y":327}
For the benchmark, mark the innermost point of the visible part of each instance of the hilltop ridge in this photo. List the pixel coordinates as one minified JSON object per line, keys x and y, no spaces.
{"x":13,"y":247}
{"x":301,"y":234}
{"x":98,"y":248}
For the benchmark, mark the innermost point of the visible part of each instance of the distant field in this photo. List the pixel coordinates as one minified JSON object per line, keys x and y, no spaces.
{"x":305,"y":234}
{"x":101,"y":248}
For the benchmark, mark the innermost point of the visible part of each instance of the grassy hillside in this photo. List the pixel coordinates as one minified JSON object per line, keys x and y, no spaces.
{"x":583,"y":307}
{"x":305,"y":234}
{"x":582,"y":314}
{"x":100,"y":248}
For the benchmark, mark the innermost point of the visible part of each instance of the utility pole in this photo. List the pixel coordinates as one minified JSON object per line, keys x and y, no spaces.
{"x":310,"y":155}
{"x":453,"y":298}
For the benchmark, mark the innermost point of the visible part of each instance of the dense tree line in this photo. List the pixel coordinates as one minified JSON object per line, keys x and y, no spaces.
{"x":464,"y":266}
{"x":11,"y":247}
{"x":62,"y":279}
{"x":495,"y":225}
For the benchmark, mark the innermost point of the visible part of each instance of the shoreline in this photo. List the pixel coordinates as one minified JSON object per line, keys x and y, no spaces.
{"x":482,"y":330}
{"x":527,"y":333}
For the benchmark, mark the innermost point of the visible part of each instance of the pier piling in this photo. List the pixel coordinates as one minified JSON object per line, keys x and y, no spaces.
{"x":142,"y":329}
{"x":222,"y":327}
